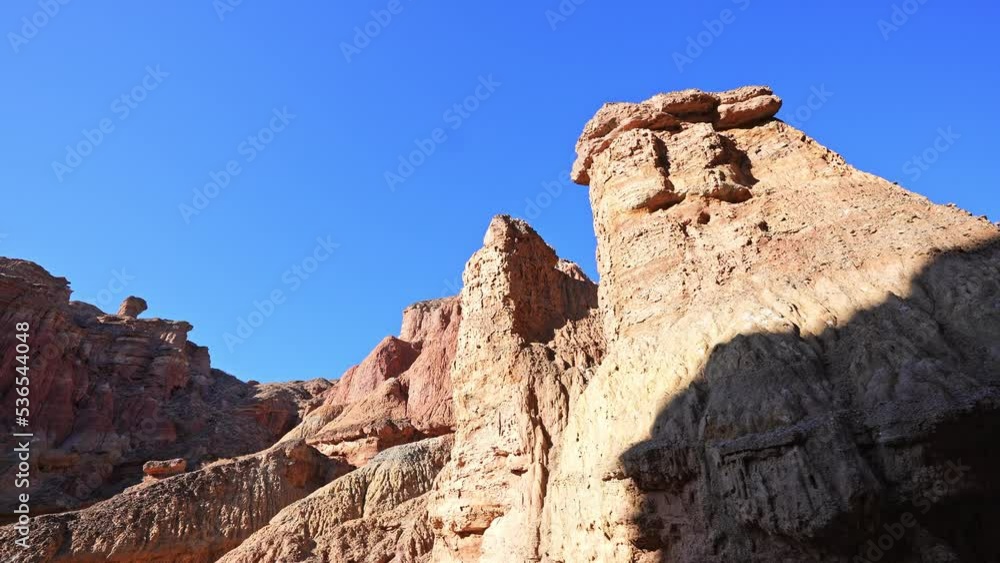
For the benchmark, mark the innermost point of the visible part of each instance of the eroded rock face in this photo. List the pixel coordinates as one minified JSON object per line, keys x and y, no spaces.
{"x":372,"y":515}
{"x":164,"y":468}
{"x":798,"y":352}
{"x":132,"y":307}
{"x":400,"y":393}
{"x":191,"y":518}
{"x":110,"y":392}
{"x":528,"y":340}
{"x":673,"y":112}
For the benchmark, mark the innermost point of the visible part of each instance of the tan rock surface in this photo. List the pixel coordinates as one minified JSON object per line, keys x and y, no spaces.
{"x":669,"y":112}
{"x":788,"y":370}
{"x":527,"y":342}
{"x":189,"y":518}
{"x":376,"y":514}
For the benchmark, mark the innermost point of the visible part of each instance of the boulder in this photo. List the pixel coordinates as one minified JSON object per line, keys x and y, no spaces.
{"x":132,"y":307}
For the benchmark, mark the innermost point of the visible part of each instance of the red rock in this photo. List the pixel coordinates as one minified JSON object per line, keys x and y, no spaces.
{"x":110,"y":392}
{"x":165,"y":468}
{"x":400,"y":393}
{"x":132,"y":307}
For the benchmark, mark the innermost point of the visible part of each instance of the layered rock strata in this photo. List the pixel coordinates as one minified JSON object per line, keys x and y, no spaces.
{"x":799,"y":353}
{"x":191,"y":518}
{"x":529,"y":339}
{"x":111,"y":392}
{"x":400,"y":393}
{"x":373,"y":515}
{"x":786,"y":359}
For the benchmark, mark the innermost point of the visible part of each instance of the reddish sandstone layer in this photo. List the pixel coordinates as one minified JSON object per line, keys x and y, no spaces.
{"x":400,"y":393}
{"x":110,"y":392}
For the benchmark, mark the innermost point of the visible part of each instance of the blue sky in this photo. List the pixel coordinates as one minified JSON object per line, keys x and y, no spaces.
{"x":301,"y":116}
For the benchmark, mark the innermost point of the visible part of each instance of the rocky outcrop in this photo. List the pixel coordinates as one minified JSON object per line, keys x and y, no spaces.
{"x":400,"y":393}
{"x":373,"y":515}
{"x":191,"y":518}
{"x":132,"y":307}
{"x":800,"y":355}
{"x":110,"y":392}
{"x":165,"y":468}
{"x":528,"y":340}
{"x":673,"y":112}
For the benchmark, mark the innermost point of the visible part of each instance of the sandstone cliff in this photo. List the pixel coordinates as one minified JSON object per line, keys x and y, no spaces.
{"x":111,"y":392}
{"x":529,"y":338}
{"x":400,"y":393}
{"x":798,"y":352}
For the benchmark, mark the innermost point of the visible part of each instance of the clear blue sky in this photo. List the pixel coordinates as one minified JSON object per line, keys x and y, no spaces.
{"x":320,"y":170}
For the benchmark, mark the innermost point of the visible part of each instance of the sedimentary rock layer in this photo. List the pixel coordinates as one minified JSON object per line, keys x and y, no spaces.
{"x":373,"y":515}
{"x":190,"y":518}
{"x":529,"y":337}
{"x":400,"y":393}
{"x":798,"y":352}
{"x":111,"y":392}
{"x":786,"y":359}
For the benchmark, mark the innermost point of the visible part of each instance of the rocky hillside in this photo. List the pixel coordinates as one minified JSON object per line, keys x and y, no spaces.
{"x":112,"y":392}
{"x":786,"y":359}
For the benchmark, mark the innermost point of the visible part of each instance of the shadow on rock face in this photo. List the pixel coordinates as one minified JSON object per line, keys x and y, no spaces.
{"x":872,"y":441}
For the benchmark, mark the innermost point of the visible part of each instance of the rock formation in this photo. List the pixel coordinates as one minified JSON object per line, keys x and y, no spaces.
{"x":400,"y":393}
{"x":529,"y":338}
{"x":798,"y":352}
{"x":132,"y":307}
{"x":191,"y":518}
{"x":787,"y":359}
{"x":372,"y":515}
{"x":110,"y":392}
{"x":165,"y":468}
